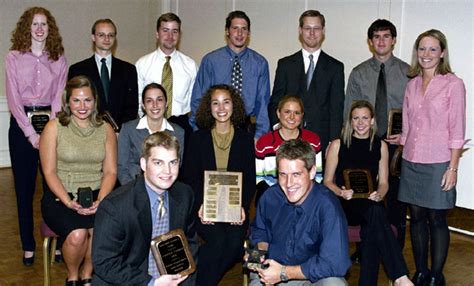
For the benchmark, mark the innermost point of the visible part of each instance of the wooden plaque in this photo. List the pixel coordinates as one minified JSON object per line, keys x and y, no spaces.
{"x":396,"y":162}
{"x":172,"y":254}
{"x":360,"y":181}
{"x":394,"y":122}
{"x":222,"y":196}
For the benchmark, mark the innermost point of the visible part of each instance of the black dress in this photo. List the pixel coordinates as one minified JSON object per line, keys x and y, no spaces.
{"x":377,"y":238}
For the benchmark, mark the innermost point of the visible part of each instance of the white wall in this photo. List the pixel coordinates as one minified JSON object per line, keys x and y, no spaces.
{"x":273,"y":34}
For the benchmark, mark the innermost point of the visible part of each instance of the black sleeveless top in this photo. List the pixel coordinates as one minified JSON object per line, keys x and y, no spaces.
{"x":359,"y":156}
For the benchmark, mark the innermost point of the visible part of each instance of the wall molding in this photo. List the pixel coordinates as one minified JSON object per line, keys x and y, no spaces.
{"x":4,"y":125}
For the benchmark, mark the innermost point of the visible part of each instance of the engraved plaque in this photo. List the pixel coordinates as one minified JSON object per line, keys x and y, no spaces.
{"x":172,"y":254}
{"x":107,"y":117}
{"x":394,"y":122}
{"x":222,"y":196}
{"x":360,"y":181}
{"x":39,"y":119}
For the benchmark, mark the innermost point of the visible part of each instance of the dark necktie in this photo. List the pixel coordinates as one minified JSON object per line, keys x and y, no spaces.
{"x":309,"y":74}
{"x":236,"y":80}
{"x":381,"y":103}
{"x":104,"y":77}
{"x":167,"y":83}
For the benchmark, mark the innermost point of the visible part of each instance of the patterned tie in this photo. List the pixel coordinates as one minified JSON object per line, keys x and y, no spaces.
{"x":381,"y":103}
{"x":309,"y":74}
{"x":159,"y":228}
{"x":104,"y":77}
{"x":167,"y":83}
{"x":236,"y":80}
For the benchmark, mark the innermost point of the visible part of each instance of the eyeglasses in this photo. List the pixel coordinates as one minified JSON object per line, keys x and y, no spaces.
{"x":103,"y":36}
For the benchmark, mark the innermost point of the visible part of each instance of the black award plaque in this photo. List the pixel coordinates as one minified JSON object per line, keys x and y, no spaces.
{"x":360,"y":181}
{"x":38,"y":119}
{"x":172,"y":254}
{"x":394,"y":122}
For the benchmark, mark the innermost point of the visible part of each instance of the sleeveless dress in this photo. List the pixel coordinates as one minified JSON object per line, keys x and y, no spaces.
{"x":377,"y":238}
{"x":79,"y":154}
{"x":358,"y":156}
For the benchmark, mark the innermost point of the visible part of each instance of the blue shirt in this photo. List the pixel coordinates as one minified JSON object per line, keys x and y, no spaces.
{"x":313,"y":235}
{"x":216,"y":68}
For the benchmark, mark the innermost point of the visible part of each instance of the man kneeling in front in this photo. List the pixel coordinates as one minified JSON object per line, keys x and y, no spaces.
{"x":301,"y":224}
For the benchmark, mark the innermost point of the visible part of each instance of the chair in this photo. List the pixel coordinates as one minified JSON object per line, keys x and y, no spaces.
{"x":49,"y":248}
{"x":354,"y":236}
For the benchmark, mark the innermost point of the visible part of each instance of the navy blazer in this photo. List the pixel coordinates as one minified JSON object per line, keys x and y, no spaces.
{"x":123,"y":95}
{"x":200,"y":157}
{"x":323,"y":102}
{"x":123,"y":229}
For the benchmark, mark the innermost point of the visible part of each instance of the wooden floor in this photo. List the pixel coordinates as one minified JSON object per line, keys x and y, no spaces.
{"x":459,"y":270}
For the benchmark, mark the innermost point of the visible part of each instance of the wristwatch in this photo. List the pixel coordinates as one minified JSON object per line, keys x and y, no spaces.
{"x":283,"y":276}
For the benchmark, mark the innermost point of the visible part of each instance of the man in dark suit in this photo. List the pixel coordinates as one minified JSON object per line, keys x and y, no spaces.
{"x":314,"y":76}
{"x":115,"y":80}
{"x":130,"y":216}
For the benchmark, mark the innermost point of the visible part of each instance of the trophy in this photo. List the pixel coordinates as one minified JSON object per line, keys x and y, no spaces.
{"x":394,"y":122}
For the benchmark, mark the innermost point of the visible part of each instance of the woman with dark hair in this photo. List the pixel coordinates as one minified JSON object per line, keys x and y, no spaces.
{"x":35,"y":73}
{"x":360,"y":148}
{"x":220,"y":144}
{"x":290,"y":113}
{"x":133,"y":133}
{"x":434,"y":122}
{"x":77,"y":150}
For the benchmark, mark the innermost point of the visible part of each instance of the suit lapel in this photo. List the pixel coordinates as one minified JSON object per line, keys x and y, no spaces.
{"x":95,"y":77}
{"x":175,"y":210}
{"x":319,"y":71}
{"x":142,"y":206}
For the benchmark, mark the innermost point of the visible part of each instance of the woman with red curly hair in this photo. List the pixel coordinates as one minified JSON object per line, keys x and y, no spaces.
{"x":35,"y":72}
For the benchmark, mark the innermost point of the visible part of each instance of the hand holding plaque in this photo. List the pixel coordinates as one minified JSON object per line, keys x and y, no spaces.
{"x":172,"y":254}
{"x":360,"y":181}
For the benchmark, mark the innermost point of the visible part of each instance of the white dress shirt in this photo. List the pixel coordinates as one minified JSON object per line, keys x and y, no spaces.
{"x":150,"y":68}
{"x":306,"y":58}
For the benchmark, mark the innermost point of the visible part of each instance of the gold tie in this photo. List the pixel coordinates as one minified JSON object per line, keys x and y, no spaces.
{"x":161,"y":207}
{"x":167,"y":83}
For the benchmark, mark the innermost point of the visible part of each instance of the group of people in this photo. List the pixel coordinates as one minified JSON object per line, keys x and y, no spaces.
{"x":174,"y":121}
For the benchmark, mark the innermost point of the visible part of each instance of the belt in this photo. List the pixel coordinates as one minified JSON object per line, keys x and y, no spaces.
{"x":37,"y":108}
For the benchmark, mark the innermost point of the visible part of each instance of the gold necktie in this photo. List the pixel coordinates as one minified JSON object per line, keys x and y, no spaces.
{"x":167,"y":83}
{"x":161,"y":207}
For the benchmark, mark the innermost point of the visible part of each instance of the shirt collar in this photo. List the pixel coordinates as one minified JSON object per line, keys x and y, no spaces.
{"x":108,"y":59}
{"x":376,"y":63}
{"x":143,"y":124}
{"x":308,"y":204}
{"x":315,"y":54}
{"x":233,"y":54}
{"x":163,"y":55}
{"x":153,"y":196}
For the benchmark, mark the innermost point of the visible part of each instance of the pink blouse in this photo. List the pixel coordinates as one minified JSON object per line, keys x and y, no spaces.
{"x":433,"y":123}
{"x":33,"y":81}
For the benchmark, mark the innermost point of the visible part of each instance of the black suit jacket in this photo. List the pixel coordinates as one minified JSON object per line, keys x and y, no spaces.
{"x":123,"y":95}
{"x":123,"y":229}
{"x":323,"y":102}
{"x":200,"y":156}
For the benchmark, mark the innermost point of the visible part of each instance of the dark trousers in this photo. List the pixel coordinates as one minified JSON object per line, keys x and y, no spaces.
{"x":224,"y":245}
{"x":397,"y":211}
{"x":25,"y":161}
{"x":377,"y":241}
